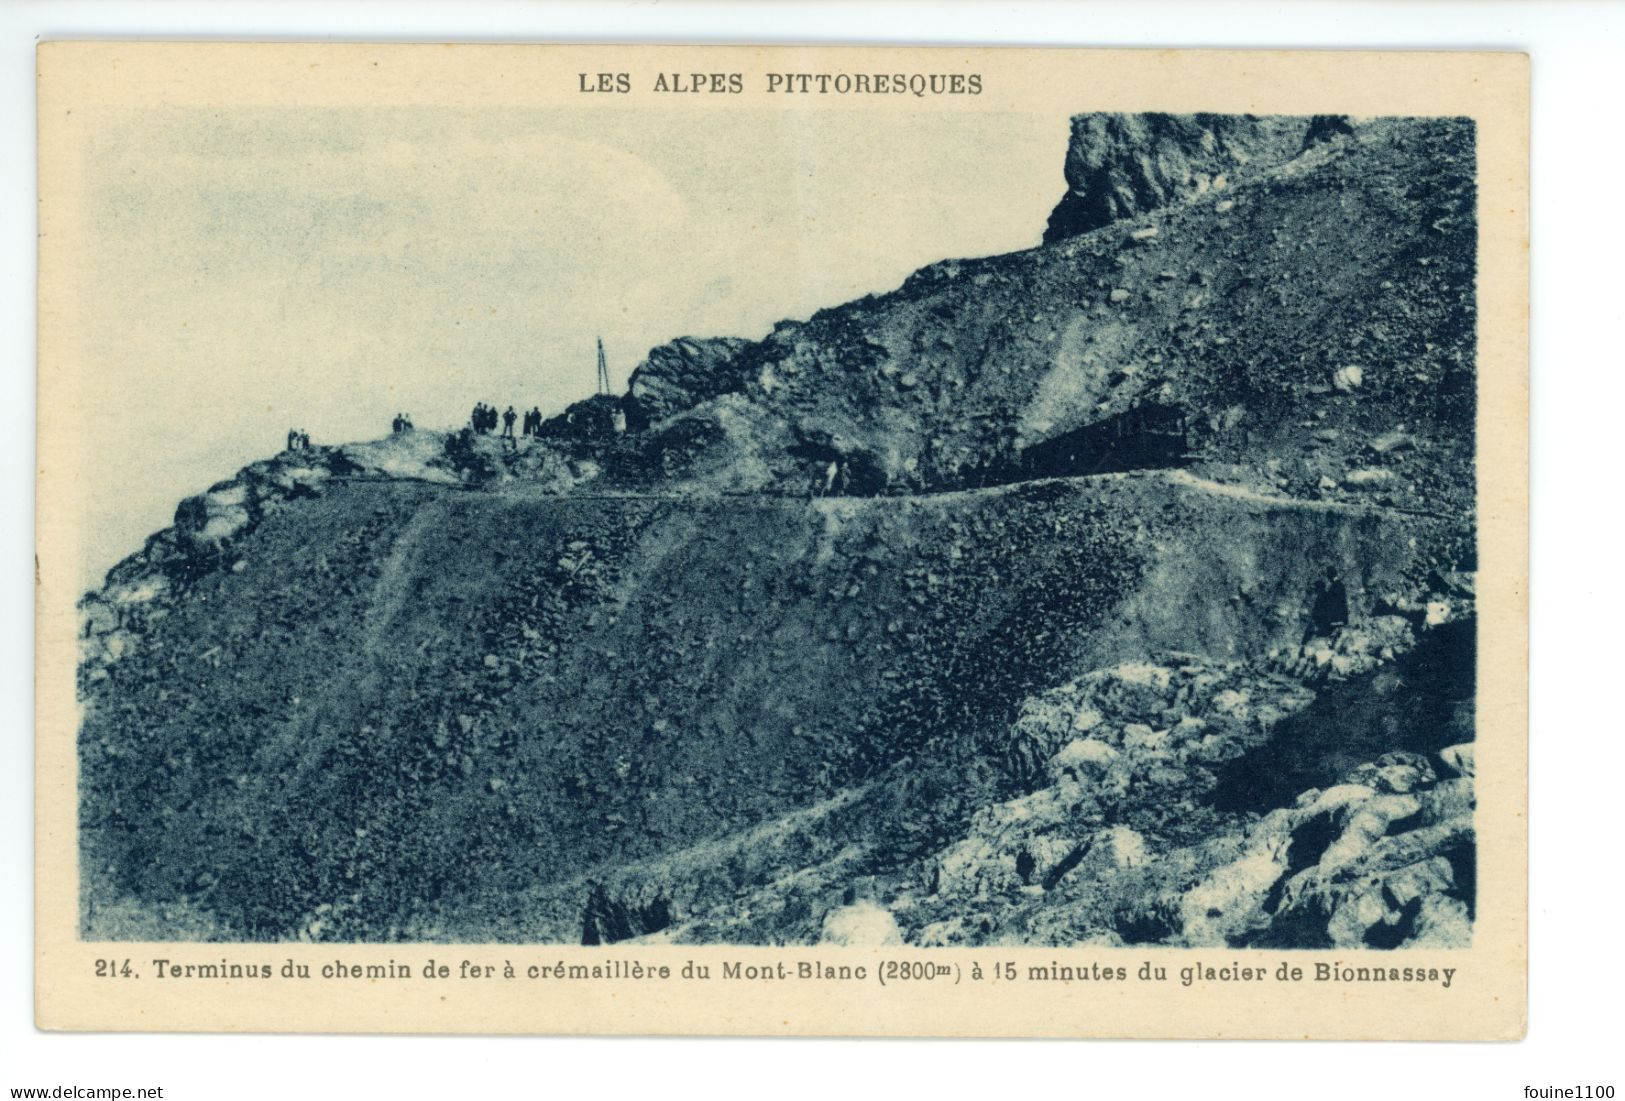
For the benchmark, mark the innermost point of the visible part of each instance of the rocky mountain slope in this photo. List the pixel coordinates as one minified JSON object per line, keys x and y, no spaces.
{"x":1029,"y":673}
{"x":1301,"y":288}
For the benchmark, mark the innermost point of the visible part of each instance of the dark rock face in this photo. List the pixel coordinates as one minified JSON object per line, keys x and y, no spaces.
{"x":1120,"y":166}
{"x":679,"y":376}
{"x":588,"y":426}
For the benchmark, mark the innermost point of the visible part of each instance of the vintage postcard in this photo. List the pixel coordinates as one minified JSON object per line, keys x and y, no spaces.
{"x":806,"y":541}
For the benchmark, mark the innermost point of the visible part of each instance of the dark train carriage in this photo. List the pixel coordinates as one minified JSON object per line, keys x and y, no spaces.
{"x":1151,"y":435}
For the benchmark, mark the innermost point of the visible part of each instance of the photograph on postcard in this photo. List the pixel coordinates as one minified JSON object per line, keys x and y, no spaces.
{"x":864,"y":511}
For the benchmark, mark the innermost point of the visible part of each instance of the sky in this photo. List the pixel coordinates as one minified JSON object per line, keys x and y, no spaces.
{"x":258,"y":269}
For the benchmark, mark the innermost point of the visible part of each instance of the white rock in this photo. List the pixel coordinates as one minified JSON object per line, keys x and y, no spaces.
{"x":1231,"y":887}
{"x":1083,"y":758}
{"x":1397,"y":440}
{"x":1085,"y":751}
{"x":861,"y":925}
{"x":1087,"y":719}
{"x":1348,"y":378}
{"x":1366,"y":826}
{"x":1342,"y":795}
{"x":1140,"y":736}
{"x":1368,"y":476}
{"x":1141,"y":672}
{"x":1123,"y":847}
{"x":1235,"y":704}
{"x":139,"y":592}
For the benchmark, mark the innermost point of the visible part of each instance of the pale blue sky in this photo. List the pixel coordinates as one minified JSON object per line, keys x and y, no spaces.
{"x":258,"y":269}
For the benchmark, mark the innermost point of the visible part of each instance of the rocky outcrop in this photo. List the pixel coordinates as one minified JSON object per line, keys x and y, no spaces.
{"x":208,"y":528}
{"x":1124,"y":838}
{"x":1190,"y":711}
{"x":211,"y":527}
{"x":1284,"y":319}
{"x":1120,"y":764}
{"x":1382,"y":859}
{"x":680,"y":375}
{"x":1121,"y":166}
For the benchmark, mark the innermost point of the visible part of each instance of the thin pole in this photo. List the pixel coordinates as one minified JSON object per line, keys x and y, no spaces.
{"x":603,"y":369}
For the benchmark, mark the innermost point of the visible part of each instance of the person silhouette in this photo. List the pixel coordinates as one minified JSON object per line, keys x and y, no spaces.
{"x":507,"y":422}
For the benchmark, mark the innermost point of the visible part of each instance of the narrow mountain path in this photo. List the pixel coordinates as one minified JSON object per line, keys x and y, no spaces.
{"x":519,"y":491}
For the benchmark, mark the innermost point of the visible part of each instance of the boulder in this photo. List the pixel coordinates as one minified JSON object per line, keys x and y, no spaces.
{"x":1395,"y":773}
{"x":861,"y":925}
{"x":1397,"y":440}
{"x":1082,"y":759}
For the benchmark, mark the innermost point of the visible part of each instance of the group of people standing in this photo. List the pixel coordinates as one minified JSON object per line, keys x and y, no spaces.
{"x":485,"y":417}
{"x":484,"y":420}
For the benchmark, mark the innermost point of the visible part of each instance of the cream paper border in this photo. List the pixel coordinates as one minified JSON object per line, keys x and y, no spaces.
{"x":80,"y":81}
